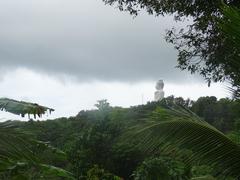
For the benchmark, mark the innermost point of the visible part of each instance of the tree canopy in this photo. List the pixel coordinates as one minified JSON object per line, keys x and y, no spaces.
{"x":130,"y":142}
{"x":202,"y":45}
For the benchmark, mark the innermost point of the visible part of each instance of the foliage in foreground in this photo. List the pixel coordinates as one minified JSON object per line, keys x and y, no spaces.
{"x":22,"y":108}
{"x":155,"y":129}
{"x":208,"y":145}
{"x":161,"y":138}
{"x":21,"y":156}
{"x":231,"y":28}
{"x":113,"y":138}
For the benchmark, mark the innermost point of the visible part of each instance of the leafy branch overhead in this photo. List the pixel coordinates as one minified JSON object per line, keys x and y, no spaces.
{"x":231,"y":28}
{"x":22,"y":108}
{"x":201,"y":44}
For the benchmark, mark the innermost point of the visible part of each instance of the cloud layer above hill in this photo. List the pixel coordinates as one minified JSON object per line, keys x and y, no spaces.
{"x":87,"y":40}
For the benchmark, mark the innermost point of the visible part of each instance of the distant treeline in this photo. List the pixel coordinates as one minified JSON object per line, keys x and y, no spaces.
{"x":91,"y":138}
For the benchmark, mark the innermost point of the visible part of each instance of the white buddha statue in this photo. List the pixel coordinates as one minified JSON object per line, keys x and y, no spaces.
{"x":159,"y":94}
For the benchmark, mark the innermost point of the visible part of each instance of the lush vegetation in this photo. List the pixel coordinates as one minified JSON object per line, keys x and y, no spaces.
{"x":23,"y":157}
{"x":114,"y":142}
{"x":172,"y":139}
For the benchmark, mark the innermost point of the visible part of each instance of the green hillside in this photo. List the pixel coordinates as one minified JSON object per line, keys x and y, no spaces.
{"x":135,"y":143}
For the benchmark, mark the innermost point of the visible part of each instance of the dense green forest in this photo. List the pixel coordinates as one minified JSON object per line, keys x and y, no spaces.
{"x":173,"y":139}
{"x":104,"y":144}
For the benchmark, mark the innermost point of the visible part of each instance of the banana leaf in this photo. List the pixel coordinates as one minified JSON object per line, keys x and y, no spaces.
{"x":22,"y":108}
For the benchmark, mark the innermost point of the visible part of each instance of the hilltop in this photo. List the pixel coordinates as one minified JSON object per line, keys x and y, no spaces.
{"x":93,"y":142}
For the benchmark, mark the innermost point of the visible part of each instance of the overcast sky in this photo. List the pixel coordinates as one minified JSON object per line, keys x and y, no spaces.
{"x":67,"y":54}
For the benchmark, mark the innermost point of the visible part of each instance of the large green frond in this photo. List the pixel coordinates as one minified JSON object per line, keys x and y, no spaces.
{"x":208,"y":145}
{"x":14,"y":144}
{"x":22,"y":108}
{"x":21,"y":154}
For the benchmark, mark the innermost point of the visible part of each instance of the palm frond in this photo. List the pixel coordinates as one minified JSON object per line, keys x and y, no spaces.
{"x":49,"y":171}
{"x":18,"y":170}
{"x":235,"y":91}
{"x":15,"y":144}
{"x":208,"y":145}
{"x":20,"y":153}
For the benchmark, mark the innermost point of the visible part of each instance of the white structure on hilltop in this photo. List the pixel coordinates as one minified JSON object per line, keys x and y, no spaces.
{"x":159,"y":94}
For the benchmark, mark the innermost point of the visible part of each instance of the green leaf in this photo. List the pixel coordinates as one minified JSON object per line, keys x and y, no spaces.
{"x":208,"y":145}
{"x":22,"y":108}
{"x":22,"y":155}
{"x":52,"y":171}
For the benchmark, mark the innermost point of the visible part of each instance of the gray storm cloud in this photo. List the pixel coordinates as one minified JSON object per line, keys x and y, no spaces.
{"x":85,"y":39}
